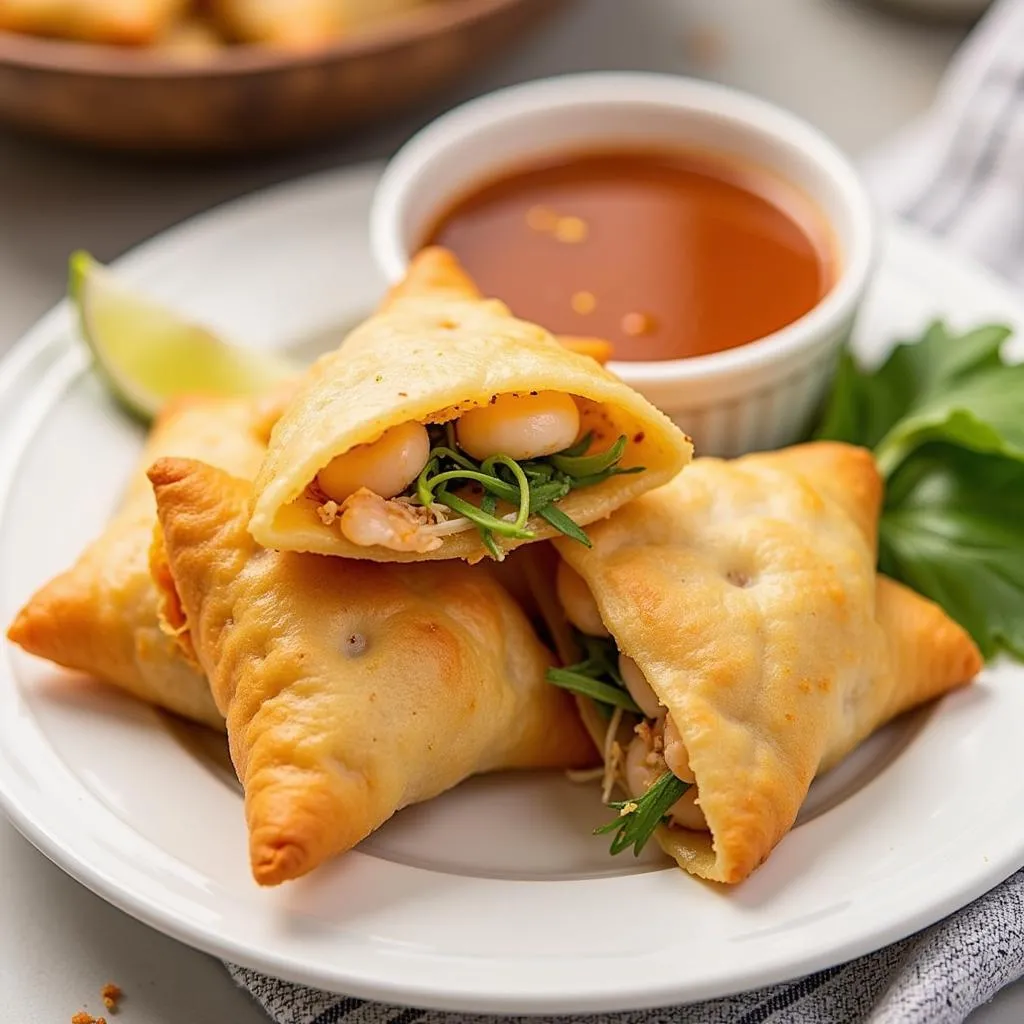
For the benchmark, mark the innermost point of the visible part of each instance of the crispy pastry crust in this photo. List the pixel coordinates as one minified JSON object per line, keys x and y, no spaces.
{"x":746,"y":592}
{"x":437,"y":349}
{"x":351,"y":689}
{"x":101,"y":616}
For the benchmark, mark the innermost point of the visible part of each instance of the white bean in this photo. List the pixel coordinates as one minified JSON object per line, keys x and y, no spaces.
{"x":639,"y":774}
{"x":677,"y":757}
{"x":639,"y":689}
{"x":686,"y":812}
{"x":520,"y":426}
{"x":386,"y":466}
{"x":578,"y":601}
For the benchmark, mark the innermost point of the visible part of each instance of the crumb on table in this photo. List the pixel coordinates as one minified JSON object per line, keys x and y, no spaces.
{"x":111,"y":994}
{"x":87,"y":1018}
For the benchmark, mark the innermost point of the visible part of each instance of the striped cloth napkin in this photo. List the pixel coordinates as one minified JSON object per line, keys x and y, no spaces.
{"x":959,"y":173}
{"x":936,"y":977}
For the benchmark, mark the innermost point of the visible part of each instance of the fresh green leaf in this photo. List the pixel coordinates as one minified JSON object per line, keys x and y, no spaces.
{"x":597,"y":676}
{"x":945,"y":419}
{"x":866,"y":406}
{"x":522,"y":485}
{"x":983,"y":412}
{"x":424,"y":492}
{"x":532,"y":487}
{"x":601,"y":656}
{"x":561,"y":522}
{"x":488,"y":481}
{"x":581,"y":447}
{"x":482,"y":519}
{"x":596,"y":689}
{"x":847,"y":409}
{"x":589,"y":465}
{"x":489,"y":505}
{"x":538,"y":471}
{"x":953,"y":529}
{"x":639,"y":818}
{"x":941,"y":357}
{"x":545,"y":493}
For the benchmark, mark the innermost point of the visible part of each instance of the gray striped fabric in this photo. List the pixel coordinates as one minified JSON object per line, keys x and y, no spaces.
{"x":959,"y":171}
{"x":960,"y":174}
{"x":936,"y":977}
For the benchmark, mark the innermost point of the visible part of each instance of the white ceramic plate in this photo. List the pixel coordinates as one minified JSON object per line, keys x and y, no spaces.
{"x":494,"y":898}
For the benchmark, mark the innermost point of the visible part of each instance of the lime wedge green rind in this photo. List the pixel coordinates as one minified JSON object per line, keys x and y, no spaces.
{"x":147,"y":354}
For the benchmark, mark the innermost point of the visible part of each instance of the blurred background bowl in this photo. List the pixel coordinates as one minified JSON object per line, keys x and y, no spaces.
{"x":247,"y":98}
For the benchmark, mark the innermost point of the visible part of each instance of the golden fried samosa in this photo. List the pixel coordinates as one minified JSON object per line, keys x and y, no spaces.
{"x":736,"y":618}
{"x":193,"y":39}
{"x":122,"y":22}
{"x":301,"y":23}
{"x":443,"y":427}
{"x":100,"y":617}
{"x":351,"y":689}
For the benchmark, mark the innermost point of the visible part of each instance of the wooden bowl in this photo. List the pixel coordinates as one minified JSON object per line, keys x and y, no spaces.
{"x":249,"y":97}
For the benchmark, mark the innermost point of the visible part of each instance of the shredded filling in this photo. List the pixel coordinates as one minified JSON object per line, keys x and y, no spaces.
{"x":454,"y":493}
{"x":654,"y":792}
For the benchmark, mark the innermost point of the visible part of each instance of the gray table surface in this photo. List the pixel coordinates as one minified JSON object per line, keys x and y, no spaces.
{"x":856,"y":71}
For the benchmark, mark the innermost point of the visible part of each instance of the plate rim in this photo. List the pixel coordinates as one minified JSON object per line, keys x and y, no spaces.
{"x":52,"y":332}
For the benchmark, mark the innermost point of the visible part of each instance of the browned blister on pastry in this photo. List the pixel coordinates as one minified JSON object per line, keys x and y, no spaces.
{"x":351,"y":689}
{"x":746,"y":595}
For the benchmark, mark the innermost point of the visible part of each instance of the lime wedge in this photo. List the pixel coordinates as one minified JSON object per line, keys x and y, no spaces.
{"x":148,"y":354}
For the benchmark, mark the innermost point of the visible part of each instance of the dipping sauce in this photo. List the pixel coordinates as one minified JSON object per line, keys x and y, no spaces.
{"x":667,"y":255}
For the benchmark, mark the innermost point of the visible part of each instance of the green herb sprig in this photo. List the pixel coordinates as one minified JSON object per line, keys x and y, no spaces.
{"x":597,"y":675}
{"x":531,"y":487}
{"x":945,"y":419}
{"x":639,"y":818}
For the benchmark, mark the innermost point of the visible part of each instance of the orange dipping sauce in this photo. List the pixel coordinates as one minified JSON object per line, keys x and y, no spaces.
{"x":667,"y":255}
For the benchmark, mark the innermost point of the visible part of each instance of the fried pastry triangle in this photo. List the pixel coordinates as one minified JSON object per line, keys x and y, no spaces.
{"x":434,"y":274}
{"x":100,"y":617}
{"x":745,"y":593}
{"x":439,"y":368}
{"x":351,"y":689}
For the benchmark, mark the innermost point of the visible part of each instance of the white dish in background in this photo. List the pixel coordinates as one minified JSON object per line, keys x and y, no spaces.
{"x":493,"y":898}
{"x":759,"y":395}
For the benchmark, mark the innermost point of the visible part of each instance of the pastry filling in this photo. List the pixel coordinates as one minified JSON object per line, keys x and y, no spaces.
{"x":490,"y":469}
{"x":653,"y":764}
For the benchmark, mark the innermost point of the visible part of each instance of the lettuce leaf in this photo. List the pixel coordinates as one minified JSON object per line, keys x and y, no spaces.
{"x":944,"y":417}
{"x":942,"y":384}
{"x":953,"y":529}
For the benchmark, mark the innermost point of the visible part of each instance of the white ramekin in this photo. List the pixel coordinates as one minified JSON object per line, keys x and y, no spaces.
{"x":761,"y":395}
